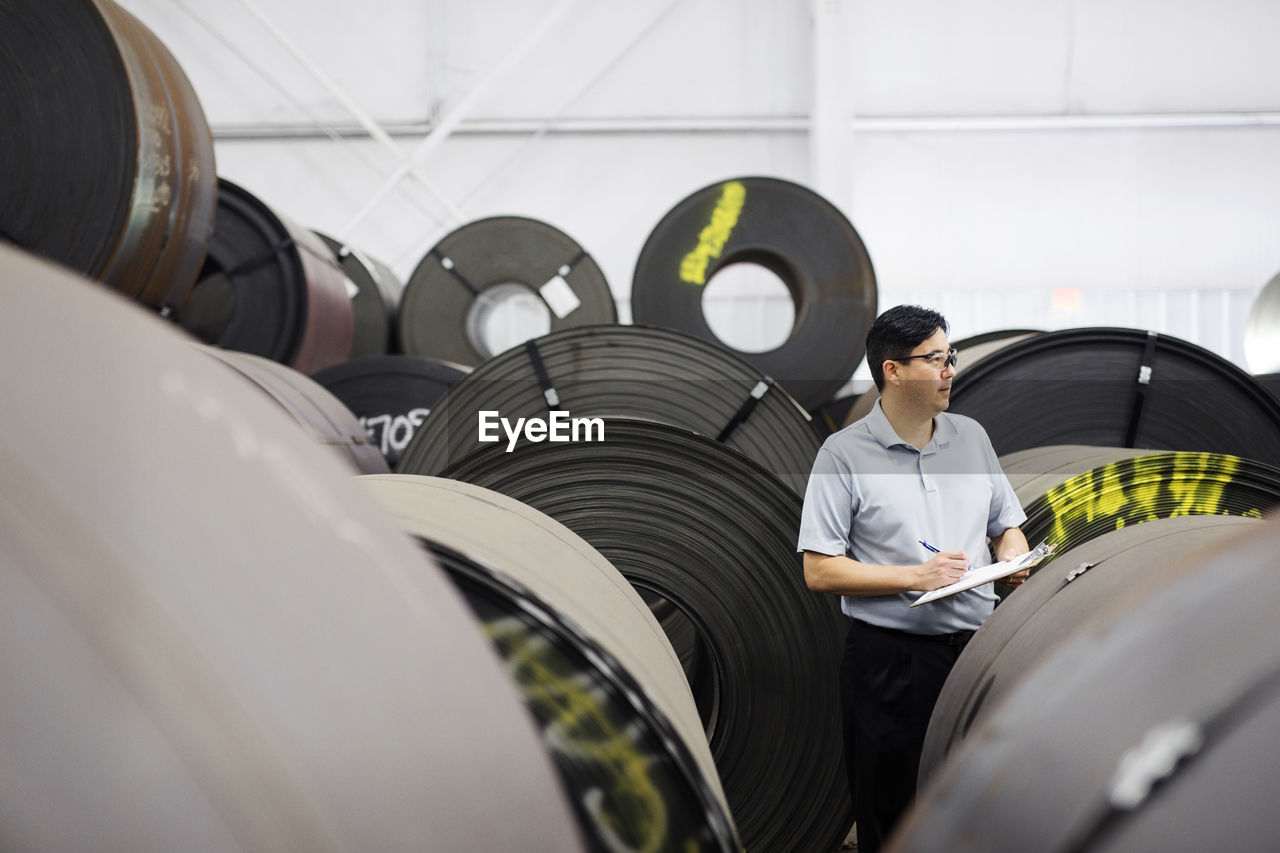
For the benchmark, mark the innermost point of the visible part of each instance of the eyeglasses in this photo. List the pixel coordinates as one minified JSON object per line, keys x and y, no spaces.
{"x":936,"y":360}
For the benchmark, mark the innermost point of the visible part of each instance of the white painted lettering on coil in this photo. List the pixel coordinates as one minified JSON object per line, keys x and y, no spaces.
{"x":393,"y":432}
{"x":559,"y":427}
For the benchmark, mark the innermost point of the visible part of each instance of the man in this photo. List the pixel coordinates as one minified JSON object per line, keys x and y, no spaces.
{"x":904,"y":475}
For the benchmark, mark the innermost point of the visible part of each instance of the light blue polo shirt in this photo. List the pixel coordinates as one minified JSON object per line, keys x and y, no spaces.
{"x":872,"y":496}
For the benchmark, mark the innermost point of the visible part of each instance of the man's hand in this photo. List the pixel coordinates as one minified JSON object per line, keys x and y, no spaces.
{"x":1017,"y":578}
{"x":942,"y":569}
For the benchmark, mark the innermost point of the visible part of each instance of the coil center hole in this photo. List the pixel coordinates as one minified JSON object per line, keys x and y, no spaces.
{"x":749,"y":307}
{"x":506,"y":315}
{"x":691,"y":647}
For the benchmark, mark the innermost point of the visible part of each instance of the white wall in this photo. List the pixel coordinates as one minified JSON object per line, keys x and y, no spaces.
{"x":1000,"y":153}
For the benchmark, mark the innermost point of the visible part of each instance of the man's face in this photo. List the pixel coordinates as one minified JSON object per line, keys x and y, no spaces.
{"x":927,"y":381}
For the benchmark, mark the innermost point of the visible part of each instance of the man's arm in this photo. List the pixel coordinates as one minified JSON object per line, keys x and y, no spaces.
{"x":1008,"y":545}
{"x":842,"y":575}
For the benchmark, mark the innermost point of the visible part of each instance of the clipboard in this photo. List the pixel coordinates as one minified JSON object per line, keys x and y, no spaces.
{"x":986,"y":574}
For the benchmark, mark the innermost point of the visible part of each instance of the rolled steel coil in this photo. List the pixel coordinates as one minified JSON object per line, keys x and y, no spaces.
{"x":211,"y":637}
{"x":833,"y":415}
{"x":321,"y":415}
{"x":460,"y":279}
{"x":631,"y":372}
{"x":970,"y":351}
{"x":1028,"y":626}
{"x":391,"y":395}
{"x":375,"y":296}
{"x":1151,"y":727}
{"x":1270,"y":381}
{"x":1118,"y":388}
{"x":589,"y":657}
{"x":269,"y":288}
{"x":690,"y":521}
{"x":1073,"y":494}
{"x":794,"y":233}
{"x":109,"y":160}
{"x":1262,"y":330}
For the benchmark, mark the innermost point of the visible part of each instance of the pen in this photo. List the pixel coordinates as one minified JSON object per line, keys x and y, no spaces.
{"x":936,"y":551}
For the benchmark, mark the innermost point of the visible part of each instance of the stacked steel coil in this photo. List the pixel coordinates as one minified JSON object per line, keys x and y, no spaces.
{"x":321,"y":415}
{"x":1150,"y":727}
{"x":391,"y":395}
{"x":375,"y":297}
{"x":794,"y":233}
{"x":1028,"y":626}
{"x":591,"y":661}
{"x":697,"y":524}
{"x":624,"y":371}
{"x":211,"y":638}
{"x":108,"y":159}
{"x":1072,"y":494}
{"x":269,"y":288}
{"x":470,"y":270}
{"x":1262,"y":331}
{"x":1118,"y":388}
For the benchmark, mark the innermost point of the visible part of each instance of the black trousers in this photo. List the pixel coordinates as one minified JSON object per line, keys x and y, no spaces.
{"x":889,"y":683}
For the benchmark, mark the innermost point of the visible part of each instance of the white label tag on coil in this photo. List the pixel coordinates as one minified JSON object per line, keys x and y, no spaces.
{"x":559,"y":296}
{"x":353,"y":289}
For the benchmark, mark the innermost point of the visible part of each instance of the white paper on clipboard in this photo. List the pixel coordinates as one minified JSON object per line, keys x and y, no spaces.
{"x":986,"y":574}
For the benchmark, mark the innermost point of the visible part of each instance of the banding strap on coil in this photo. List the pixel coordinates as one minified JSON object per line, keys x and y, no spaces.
{"x":626,"y":371}
{"x":449,"y":266}
{"x":565,"y":269}
{"x":495,"y":259}
{"x":540,"y":370}
{"x":1199,"y":401}
{"x":1140,"y":390}
{"x":745,"y":410}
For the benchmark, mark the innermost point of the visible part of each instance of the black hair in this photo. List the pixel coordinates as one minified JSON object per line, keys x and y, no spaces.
{"x":898,"y":331}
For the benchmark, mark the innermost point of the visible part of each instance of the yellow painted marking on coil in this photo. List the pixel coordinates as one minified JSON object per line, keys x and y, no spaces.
{"x":582,"y":725}
{"x":1130,"y":491}
{"x":711,"y":240}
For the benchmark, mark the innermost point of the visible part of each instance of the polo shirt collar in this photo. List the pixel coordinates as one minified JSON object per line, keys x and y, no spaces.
{"x":883,"y":432}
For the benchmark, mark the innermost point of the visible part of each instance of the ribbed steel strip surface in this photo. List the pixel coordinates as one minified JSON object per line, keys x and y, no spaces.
{"x":116,"y":175}
{"x":1088,"y":386}
{"x":528,"y":560}
{"x":1077,"y":503}
{"x":714,"y":533}
{"x":629,"y":372}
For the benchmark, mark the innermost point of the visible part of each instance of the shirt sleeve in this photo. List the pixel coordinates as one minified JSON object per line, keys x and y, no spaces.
{"x":1005,"y":511}
{"x":829,"y":504}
